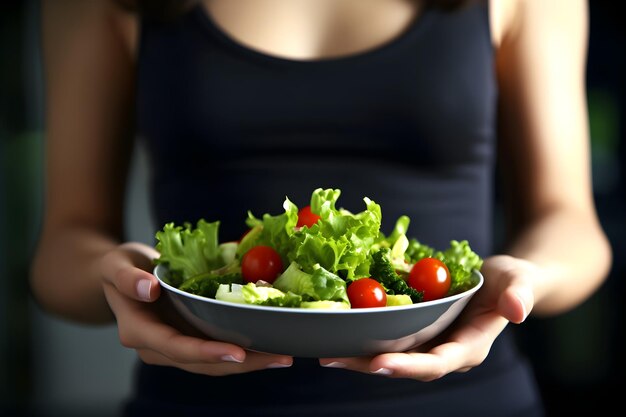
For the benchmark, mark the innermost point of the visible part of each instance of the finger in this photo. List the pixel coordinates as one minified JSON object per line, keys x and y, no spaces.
{"x":254,"y":362}
{"x":515,"y":303}
{"x":127,"y":269}
{"x":180,"y":348}
{"x":140,"y":328}
{"x":137,"y":284}
{"x":467,"y":348}
{"x":512,"y":291}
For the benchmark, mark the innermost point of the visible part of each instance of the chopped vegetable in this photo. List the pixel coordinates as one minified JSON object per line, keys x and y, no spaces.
{"x":431,"y":277}
{"x":321,"y":285}
{"x":383,"y":272}
{"x":190,"y":251}
{"x":207,"y":284}
{"x":366,"y":293}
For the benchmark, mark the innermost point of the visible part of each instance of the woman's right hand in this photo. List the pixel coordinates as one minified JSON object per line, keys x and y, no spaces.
{"x":149,"y":324}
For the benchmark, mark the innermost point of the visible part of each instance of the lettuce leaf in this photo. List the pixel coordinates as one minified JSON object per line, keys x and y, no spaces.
{"x":461,"y":261}
{"x":340,"y":241}
{"x":274,"y":231}
{"x":191,"y":251}
{"x":321,"y":285}
{"x":253,"y":294}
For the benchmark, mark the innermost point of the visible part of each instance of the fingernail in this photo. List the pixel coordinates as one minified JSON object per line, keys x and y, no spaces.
{"x":383,"y":371}
{"x":334,"y":365}
{"x":143,"y":289}
{"x":278,"y":365}
{"x":230,"y":358}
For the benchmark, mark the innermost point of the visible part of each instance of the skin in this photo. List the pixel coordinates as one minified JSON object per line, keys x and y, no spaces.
{"x":558,"y":254}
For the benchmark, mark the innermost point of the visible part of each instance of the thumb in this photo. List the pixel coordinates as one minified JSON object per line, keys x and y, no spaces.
{"x":127,"y":268}
{"x":515,"y":303}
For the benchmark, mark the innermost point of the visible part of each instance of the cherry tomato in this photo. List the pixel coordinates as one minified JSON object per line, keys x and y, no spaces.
{"x":261,"y":263}
{"x":306,"y":217}
{"x":431,"y":276}
{"x":365,"y":293}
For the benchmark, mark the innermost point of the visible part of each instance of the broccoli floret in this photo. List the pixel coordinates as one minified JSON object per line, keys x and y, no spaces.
{"x":382,"y":271}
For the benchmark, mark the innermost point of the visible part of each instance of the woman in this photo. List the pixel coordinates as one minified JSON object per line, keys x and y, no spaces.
{"x":241,"y":103}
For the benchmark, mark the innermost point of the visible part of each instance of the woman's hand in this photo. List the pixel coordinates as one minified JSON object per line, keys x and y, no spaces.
{"x":149,"y":324}
{"x":506,"y":296}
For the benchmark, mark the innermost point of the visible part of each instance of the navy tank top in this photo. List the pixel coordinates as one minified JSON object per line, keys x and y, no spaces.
{"x":409,"y":124}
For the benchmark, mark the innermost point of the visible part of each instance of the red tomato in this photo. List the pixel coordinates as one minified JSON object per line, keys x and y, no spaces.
{"x":261,"y":263}
{"x":366,"y":292}
{"x":306,"y":217}
{"x":431,"y":276}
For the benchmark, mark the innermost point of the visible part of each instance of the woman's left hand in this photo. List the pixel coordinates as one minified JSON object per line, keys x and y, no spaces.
{"x":506,"y":296}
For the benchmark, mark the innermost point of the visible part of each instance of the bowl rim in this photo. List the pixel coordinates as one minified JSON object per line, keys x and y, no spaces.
{"x":298,"y":310}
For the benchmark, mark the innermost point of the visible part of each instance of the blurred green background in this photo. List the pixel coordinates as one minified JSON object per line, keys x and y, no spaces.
{"x":49,"y":367}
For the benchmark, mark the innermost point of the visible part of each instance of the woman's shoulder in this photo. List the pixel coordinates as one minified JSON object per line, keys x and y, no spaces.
{"x":532,"y":18}
{"x":502,"y":17}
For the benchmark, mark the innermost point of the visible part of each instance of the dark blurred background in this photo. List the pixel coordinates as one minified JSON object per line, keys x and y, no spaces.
{"x":49,"y":367}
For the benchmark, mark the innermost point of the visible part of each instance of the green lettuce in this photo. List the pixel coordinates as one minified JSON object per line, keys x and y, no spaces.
{"x":274,"y":231}
{"x":461,"y":262}
{"x":192,"y":251}
{"x":340,"y":241}
{"x":253,"y":294}
{"x":321,"y":285}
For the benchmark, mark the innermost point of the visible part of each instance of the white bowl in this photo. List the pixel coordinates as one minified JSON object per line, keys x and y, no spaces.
{"x":318,"y":333}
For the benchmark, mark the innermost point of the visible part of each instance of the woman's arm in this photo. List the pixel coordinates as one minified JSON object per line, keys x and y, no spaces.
{"x":544,"y":138}
{"x":81,"y":271}
{"x":89,"y":88}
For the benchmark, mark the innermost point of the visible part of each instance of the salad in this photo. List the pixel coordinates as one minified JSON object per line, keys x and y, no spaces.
{"x":317,"y":256}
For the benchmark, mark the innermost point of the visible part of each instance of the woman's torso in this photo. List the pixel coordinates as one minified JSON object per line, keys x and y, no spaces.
{"x":406,"y":118}
{"x":409,"y":123}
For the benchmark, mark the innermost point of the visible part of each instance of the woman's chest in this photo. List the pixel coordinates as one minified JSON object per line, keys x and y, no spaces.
{"x":312,"y":29}
{"x":429,"y":93}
